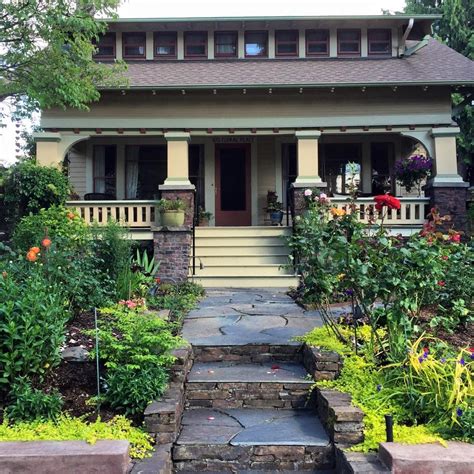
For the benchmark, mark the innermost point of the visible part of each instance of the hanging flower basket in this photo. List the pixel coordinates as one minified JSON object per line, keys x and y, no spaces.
{"x":411,"y":171}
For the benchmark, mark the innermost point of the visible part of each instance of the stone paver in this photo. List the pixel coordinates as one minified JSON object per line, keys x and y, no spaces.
{"x":239,"y":317}
{"x":283,"y":372}
{"x":248,"y":427}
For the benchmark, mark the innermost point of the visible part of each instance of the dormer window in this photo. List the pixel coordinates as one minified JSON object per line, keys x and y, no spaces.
{"x":286,"y":42}
{"x":348,"y":42}
{"x":134,"y":45}
{"x":105,"y":46}
{"x":256,"y":44}
{"x":225,"y":44}
{"x":165,"y":45}
{"x":195,"y":44}
{"x":380,"y":42}
{"x":317,"y":42}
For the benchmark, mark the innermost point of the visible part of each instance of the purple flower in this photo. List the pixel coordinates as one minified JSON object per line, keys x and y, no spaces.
{"x":379,"y":388}
{"x":472,"y":355}
{"x":459,"y":412}
{"x":443,"y":360}
{"x":420,"y":359}
{"x":462,"y":362}
{"x":425,"y":355}
{"x":349,"y":292}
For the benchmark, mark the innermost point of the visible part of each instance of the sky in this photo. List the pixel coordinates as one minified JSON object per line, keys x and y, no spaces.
{"x":209,"y":8}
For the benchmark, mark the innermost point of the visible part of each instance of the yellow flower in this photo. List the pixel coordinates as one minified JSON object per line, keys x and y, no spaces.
{"x":341,"y":276}
{"x":336,"y":212}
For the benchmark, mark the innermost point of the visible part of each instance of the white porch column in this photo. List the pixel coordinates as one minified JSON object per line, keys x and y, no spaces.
{"x":445,"y":166}
{"x":178,"y":160}
{"x":308,"y":159}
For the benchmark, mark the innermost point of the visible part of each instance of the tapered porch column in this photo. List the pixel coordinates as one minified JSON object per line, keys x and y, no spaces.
{"x":446,"y":188}
{"x":308,"y":167}
{"x":51,"y":147}
{"x":178,"y":159}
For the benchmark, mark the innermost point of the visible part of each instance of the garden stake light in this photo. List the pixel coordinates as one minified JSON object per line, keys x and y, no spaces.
{"x":97,"y":357}
{"x":389,"y":428}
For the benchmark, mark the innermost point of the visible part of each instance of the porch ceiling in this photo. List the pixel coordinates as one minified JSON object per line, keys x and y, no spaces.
{"x":434,"y":64}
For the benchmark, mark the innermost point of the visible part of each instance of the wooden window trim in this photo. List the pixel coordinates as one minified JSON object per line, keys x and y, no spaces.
{"x":348,"y":53}
{"x":124,"y":45}
{"x":236,"y":39}
{"x":173,"y":43}
{"x":279,"y":42}
{"x":370,"y":41}
{"x":265,"y":54}
{"x":308,"y":42}
{"x":113,"y":43}
{"x":186,"y":44}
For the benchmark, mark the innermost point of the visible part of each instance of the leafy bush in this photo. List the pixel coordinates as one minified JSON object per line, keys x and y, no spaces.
{"x":30,"y":404}
{"x":171,"y":205}
{"x":32,"y":324}
{"x":135,"y":345}
{"x":57,"y":222}
{"x":30,"y":188}
{"x":67,"y":428}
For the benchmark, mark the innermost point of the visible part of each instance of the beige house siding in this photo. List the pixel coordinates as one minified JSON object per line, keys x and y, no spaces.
{"x":266,"y":174}
{"x":77,"y":169}
{"x":234,"y":109}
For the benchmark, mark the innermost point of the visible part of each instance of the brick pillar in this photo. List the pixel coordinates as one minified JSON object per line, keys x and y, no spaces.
{"x":185,"y":195}
{"x":450,"y":201}
{"x":172,"y":249}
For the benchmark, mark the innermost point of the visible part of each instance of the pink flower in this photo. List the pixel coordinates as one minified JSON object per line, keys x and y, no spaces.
{"x":456,"y":238}
{"x":308,"y":192}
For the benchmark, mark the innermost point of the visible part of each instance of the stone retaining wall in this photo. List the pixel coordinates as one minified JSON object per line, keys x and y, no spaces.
{"x":220,"y":458}
{"x":248,"y":353}
{"x":247,"y":395}
{"x":321,"y":364}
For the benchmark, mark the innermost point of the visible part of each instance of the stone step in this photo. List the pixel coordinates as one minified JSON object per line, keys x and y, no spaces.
{"x":276,"y":281}
{"x":272,"y":385}
{"x":235,"y":440}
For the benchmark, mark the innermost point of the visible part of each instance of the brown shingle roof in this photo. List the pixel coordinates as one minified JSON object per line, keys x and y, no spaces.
{"x":433,"y":64}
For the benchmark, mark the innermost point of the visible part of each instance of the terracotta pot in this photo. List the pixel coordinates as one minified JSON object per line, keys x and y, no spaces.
{"x":204,"y":223}
{"x":172,"y":218}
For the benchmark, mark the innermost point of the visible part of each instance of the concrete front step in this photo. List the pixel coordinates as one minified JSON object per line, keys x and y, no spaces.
{"x":236,"y":260}
{"x":230,"y":440}
{"x":282,"y":281}
{"x":242,"y":241}
{"x":271,"y":385}
{"x":236,"y":270}
{"x":257,"y":231}
{"x":222,"y":248}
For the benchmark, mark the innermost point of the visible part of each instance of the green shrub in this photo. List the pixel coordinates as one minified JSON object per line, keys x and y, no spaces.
{"x":30,"y":187}
{"x":32,"y":323}
{"x":67,"y":428}
{"x":171,"y":205}
{"x":135,"y":345}
{"x":59,"y":223}
{"x":30,"y":404}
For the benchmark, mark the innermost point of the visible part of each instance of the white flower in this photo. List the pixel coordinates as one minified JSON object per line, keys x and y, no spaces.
{"x":308,"y":192}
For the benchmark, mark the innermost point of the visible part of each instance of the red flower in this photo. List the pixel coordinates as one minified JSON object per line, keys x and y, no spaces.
{"x":455,"y":238}
{"x":445,"y":257}
{"x":386,"y":200}
{"x":441,"y":283}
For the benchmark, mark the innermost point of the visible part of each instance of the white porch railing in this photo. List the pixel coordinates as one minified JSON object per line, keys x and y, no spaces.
{"x":133,"y":214}
{"x":412,"y":212}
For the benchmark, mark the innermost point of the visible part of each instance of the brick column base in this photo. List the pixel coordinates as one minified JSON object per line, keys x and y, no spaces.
{"x":450,"y":201}
{"x":298,"y":199}
{"x":186,"y":195}
{"x":172,"y":249}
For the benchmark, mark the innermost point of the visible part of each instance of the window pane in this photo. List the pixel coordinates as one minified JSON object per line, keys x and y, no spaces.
{"x":165,"y":44}
{"x":287,"y":49}
{"x":134,"y":50}
{"x":225,"y":44}
{"x":379,"y":47}
{"x":198,"y":50}
{"x":165,"y":51}
{"x":134,"y":44}
{"x":195,"y":37}
{"x":287,"y":36}
{"x":256,"y":44}
{"x":348,"y":35}
{"x":379,"y":35}
{"x":317,"y":35}
{"x":317,"y":48}
{"x":227,"y":49}
{"x":106,"y":45}
{"x":349,"y":47}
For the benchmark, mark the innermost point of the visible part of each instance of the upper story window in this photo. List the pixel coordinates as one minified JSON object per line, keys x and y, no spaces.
{"x":256,"y":44}
{"x":225,"y":44}
{"x":348,"y":42}
{"x":195,"y":44}
{"x":380,"y":42}
{"x":286,"y":42}
{"x":105,"y":46}
{"x":317,"y":42}
{"x":165,"y":45}
{"x":134,"y":45}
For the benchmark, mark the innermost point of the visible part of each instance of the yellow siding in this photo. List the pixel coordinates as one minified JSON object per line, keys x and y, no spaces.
{"x":77,"y":168}
{"x":265,"y":174}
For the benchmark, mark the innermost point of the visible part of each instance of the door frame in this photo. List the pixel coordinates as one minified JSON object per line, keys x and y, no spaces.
{"x":233,"y":218}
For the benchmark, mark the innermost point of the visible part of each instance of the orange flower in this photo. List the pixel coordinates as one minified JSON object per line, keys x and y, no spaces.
{"x":70,"y":215}
{"x":31,"y":256}
{"x":35,"y":250}
{"x":337,"y":212}
{"x":46,"y":242}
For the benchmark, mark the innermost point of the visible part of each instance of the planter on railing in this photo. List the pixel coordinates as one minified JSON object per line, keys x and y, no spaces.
{"x":134,"y":214}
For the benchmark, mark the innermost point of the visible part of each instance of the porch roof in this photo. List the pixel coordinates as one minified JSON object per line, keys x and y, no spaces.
{"x":434,"y":64}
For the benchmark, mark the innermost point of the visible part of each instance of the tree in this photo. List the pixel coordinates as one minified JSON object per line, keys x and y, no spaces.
{"x":46,"y":49}
{"x":456,"y":29}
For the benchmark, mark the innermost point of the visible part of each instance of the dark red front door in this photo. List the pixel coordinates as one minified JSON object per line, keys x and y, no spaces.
{"x":233,"y":185}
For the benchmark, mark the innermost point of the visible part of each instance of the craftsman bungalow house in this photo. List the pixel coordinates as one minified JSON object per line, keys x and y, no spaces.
{"x":222,"y":110}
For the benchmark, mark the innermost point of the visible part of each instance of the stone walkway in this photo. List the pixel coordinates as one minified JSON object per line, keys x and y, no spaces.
{"x":249,"y":316}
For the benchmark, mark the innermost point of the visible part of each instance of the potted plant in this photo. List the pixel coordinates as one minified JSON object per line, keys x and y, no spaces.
{"x":204,"y":217}
{"x":274,"y":208}
{"x":171,"y":212}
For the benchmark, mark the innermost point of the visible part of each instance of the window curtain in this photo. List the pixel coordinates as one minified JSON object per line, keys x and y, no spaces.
{"x":99,"y":169}
{"x":132,"y":171}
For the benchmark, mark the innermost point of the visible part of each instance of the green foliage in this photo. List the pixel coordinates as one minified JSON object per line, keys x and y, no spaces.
{"x":32,"y":322}
{"x":135,"y":345}
{"x":67,"y":428}
{"x":47,"y":52}
{"x":56,"y":222}
{"x":171,"y":205}
{"x":30,"y":404}
{"x":148,"y":265}
{"x":30,"y":188}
